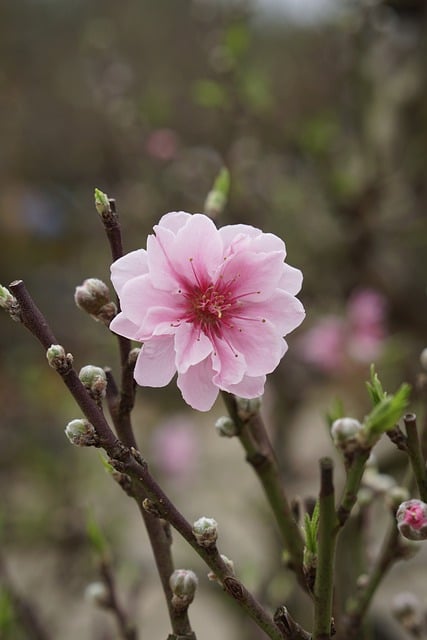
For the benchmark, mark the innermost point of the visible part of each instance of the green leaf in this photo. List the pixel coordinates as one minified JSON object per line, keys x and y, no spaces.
{"x":375,"y":388}
{"x":387,"y":412}
{"x":311,"y":526}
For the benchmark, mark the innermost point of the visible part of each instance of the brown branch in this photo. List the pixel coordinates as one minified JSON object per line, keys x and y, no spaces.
{"x":128,"y":461}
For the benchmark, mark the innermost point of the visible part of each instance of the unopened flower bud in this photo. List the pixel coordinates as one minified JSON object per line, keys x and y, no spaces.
{"x":247,"y":407}
{"x":97,"y":593}
{"x":9,"y":303}
{"x":423,"y":359}
{"x":217,"y":198}
{"x":92,"y":296}
{"x":230,"y":566}
{"x":102,"y":203}
{"x":81,"y":433}
{"x":205,"y":531}
{"x":226,"y":427}
{"x":95,"y":380}
{"x":345,"y":432}
{"x":411,"y":519}
{"x":183,"y":583}
{"x":58,"y":359}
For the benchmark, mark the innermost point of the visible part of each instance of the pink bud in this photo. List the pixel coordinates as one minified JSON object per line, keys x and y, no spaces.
{"x":412,"y":519}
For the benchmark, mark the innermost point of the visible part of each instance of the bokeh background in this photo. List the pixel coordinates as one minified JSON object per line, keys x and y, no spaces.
{"x":319,"y":111}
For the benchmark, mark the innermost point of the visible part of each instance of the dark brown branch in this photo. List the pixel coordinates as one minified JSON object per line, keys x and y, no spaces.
{"x":129,"y":462}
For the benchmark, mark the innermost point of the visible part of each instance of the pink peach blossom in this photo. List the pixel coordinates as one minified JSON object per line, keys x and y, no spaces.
{"x":211,"y":304}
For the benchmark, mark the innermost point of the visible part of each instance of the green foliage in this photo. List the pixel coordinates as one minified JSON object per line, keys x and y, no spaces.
{"x":311,"y":526}
{"x":375,"y":388}
{"x":387,"y":412}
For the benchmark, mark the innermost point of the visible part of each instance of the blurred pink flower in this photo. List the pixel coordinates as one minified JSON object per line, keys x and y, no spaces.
{"x":212,"y":304}
{"x":323,"y":344}
{"x":162,"y":144}
{"x":358,"y":336}
{"x":174,"y":447}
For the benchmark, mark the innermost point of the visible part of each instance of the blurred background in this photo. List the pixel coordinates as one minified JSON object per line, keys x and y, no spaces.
{"x":319,"y":111}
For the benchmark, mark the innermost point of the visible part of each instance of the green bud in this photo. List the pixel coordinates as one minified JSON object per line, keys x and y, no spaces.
{"x":102,"y":203}
{"x":92,"y":295}
{"x":81,"y":433}
{"x":345,"y":432}
{"x":9,"y":303}
{"x":95,"y":380}
{"x":58,"y":359}
{"x":183,"y":583}
{"x":226,"y":427}
{"x":205,"y":531}
{"x":217,"y":198}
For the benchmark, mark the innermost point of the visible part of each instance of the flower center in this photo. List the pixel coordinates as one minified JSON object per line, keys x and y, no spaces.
{"x":414,"y":516}
{"x":209,"y":306}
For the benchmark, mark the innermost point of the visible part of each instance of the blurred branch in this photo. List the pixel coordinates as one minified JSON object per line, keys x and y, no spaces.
{"x":24,"y":609}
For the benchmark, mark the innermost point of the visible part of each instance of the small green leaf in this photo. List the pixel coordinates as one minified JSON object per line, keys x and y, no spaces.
{"x":375,"y":388}
{"x":386,"y":412}
{"x":102,"y":203}
{"x":311,"y":525}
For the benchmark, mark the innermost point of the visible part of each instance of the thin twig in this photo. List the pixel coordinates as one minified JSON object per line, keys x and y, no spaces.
{"x":128,"y":461}
{"x":259,"y":453}
{"x":391,"y":552}
{"x":23,"y":608}
{"x":126,"y":629}
{"x":415,"y":454}
{"x":328,"y":529}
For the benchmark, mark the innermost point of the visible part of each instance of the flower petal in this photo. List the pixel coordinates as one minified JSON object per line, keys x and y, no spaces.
{"x":291,"y":280}
{"x":155,"y":366}
{"x":124,"y":327}
{"x":283,"y":310}
{"x":129,"y":266}
{"x":260,"y":343}
{"x":248,"y":387}
{"x":197,"y":387}
{"x":138,"y":296}
{"x":191,"y":346}
{"x":173,"y":221}
{"x":228,"y":362}
{"x":253,"y":276}
{"x":198,"y":250}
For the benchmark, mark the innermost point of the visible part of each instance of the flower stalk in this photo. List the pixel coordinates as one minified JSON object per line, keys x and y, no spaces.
{"x":415,"y":454}
{"x":259,"y":454}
